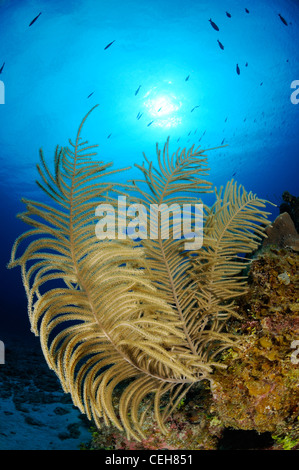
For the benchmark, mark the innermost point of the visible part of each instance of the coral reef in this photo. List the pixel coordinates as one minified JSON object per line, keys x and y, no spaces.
{"x":265,"y":392}
{"x":264,"y":395}
{"x":190,"y":427}
{"x":130,"y":324}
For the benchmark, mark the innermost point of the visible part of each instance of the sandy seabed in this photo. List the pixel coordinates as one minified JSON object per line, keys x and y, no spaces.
{"x":35,"y":414}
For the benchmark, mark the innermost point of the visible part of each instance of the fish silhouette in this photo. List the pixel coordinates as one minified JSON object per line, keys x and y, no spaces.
{"x":220,"y":44}
{"x":187,"y":78}
{"x":228,"y":15}
{"x":282,"y":19}
{"x":194,"y":108}
{"x":90,"y":94}
{"x":238,"y":69}
{"x":247,"y":11}
{"x":150,"y":123}
{"x":136,"y":92}
{"x":2,"y":67}
{"x":214,"y":25}
{"x":108,"y":45}
{"x":34,"y":19}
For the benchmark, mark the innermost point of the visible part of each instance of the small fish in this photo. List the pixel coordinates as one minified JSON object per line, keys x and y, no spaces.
{"x":222,"y":142}
{"x":187,"y":78}
{"x":34,"y":19}
{"x":220,"y":45}
{"x":108,"y":137}
{"x":150,"y":123}
{"x":194,"y":108}
{"x":247,"y":11}
{"x":178,"y":139}
{"x":139,"y":116}
{"x":234,"y":174}
{"x":214,"y":25}
{"x":282,"y":19}
{"x":225,"y":119}
{"x":1,"y":70}
{"x":108,"y":45}
{"x":238,"y":69}
{"x":228,"y":14}
{"x":189,"y":133}
{"x":136,"y":92}
{"x":159,"y":109}
{"x":246,"y":65}
{"x":90,"y":95}
{"x":261,"y":83}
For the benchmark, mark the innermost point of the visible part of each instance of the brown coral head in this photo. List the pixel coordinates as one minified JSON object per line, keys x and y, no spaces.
{"x":282,"y":233}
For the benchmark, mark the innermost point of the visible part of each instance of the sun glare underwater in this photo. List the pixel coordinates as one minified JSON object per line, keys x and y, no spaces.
{"x":223,"y":75}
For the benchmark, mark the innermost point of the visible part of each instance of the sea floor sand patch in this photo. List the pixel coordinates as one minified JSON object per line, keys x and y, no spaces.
{"x":35,"y":414}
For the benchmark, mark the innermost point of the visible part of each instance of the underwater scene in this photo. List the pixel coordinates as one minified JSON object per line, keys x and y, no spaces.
{"x":150,"y":226}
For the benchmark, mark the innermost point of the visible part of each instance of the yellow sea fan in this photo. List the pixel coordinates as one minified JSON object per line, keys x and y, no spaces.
{"x":145,"y":314}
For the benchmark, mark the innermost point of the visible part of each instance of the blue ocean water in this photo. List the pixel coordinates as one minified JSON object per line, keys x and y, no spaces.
{"x":167,"y":72}
{"x":201,"y":72}
{"x":204,"y":73}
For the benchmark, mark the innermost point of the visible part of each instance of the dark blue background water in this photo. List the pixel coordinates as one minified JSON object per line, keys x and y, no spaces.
{"x":170,"y":50}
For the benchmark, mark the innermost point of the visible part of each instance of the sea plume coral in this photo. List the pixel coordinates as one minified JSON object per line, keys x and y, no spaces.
{"x":145,"y":315}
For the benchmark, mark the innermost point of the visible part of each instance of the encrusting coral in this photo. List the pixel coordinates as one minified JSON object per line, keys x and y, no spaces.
{"x":141,"y":319}
{"x":264,"y":370}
